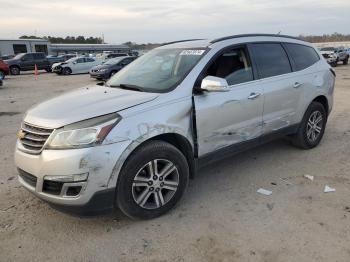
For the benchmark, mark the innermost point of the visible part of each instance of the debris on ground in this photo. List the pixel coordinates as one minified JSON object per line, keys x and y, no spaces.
{"x":286,"y":181}
{"x":270,"y":206}
{"x":264,"y":191}
{"x":328,"y":189}
{"x":309,"y":177}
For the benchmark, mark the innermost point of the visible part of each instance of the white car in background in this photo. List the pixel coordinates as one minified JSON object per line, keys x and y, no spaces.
{"x":76,"y":65}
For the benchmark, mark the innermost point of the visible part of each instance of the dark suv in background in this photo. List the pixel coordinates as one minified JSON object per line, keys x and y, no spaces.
{"x":27,"y":62}
{"x":110,"y":67}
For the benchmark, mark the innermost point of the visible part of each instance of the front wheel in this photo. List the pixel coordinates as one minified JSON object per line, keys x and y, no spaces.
{"x":66,"y":71}
{"x":152,"y":180}
{"x":312,"y":127}
{"x":346,"y":61}
{"x":15,"y":70}
{"x":2,"y":75}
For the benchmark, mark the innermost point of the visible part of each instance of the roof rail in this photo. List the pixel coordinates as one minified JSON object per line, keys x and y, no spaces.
{"x":248,"y":35}
{"x":179,"y":41}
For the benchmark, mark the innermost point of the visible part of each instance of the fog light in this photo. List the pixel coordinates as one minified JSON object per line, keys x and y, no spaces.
{"x":69,"y":178}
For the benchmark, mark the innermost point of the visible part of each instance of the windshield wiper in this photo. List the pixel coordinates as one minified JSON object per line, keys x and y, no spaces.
{"x":128,"y":87}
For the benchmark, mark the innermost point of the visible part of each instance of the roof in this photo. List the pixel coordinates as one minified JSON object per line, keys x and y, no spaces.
{"x":29,"y":39}
{"x":205,"y":42}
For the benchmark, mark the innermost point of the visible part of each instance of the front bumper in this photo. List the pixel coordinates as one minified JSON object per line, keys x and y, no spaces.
{"x":98,"y":162}
{"x":99,"y":75}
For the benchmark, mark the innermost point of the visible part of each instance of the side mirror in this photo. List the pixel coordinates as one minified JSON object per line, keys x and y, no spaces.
{"x":214,"y":84}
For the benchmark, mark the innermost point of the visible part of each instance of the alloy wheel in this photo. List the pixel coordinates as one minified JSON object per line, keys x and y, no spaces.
{"x":314,"y":126}
{"x":155,"y":184}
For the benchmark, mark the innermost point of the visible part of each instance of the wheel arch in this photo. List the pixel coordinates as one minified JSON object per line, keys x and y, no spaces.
{"x":324,"y":101}
{"x":181,"y":143}
{"x":175,"y":139}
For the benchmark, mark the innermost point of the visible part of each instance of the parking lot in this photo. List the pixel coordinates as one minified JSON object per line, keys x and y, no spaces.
{"x":220,"y":218}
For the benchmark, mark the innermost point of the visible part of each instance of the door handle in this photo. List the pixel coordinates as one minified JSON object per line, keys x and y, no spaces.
{"x":297,"y":85}
{"x":253,"y":96}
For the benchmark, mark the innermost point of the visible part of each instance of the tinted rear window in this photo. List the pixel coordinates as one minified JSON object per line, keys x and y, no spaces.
{"x":303,"y":56}
{"x":38,"y":56}
{"x":271,"y":59}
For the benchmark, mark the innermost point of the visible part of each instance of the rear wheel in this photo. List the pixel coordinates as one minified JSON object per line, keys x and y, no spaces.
{"x":346,"y":61}
{"x":15,"y":70}
{"x":66,"y":71}
{"x":312,"y":127}
{"x":152,"y":180}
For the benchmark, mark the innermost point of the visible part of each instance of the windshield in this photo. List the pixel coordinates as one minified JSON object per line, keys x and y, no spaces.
{"x":328,"y":49}
{"x":113,"y":61}
{"x":157,"y":71}
{"x":71,"y":60}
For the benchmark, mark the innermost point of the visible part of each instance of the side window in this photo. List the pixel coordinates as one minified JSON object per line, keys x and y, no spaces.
{"x":27,"y":57}
{"x":38,"y":56}
{"x":233,"y":65}
{"x":89,"y":60}
{"x":80,"y":60}
{"x":271,"y":59}
{"x":303,"y":56}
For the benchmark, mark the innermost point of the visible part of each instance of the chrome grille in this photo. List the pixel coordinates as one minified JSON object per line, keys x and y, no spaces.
{"x":34,"y":138}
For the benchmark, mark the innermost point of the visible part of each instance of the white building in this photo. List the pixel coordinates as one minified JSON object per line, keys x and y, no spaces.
{"x":15,"y":46}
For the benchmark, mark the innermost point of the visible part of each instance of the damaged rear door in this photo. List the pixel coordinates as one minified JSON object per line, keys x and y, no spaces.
{"x":234,"y":116}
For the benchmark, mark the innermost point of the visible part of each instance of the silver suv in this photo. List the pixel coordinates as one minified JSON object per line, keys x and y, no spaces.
{"x":135,"y":142}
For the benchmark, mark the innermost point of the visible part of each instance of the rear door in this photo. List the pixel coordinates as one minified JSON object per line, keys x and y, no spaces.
{"x":227,"y":118}
{"x":39,"y":60}
{"x":280,"y":86}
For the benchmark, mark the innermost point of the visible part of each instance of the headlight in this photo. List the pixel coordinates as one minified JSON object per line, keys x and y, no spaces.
{"x":85,"y":133}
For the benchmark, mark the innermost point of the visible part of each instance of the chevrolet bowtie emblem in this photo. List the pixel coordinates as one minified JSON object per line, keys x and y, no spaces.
{"x":20,"y":134}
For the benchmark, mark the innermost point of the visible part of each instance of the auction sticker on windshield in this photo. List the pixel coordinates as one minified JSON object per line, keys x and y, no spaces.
{"x":192,"y":52}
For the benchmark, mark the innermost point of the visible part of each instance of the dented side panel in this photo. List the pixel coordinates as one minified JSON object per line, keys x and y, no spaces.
{"x":170,"y":117}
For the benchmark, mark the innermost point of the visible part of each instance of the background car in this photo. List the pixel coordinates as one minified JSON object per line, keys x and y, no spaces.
{"x":110,"y":67}
{"x":6,"y":57}
{"x":77,"y":65}
{"x":4,"y":69}
{"x":107,"y":56}
{"x":333,"y":55}
{"x":27,"y":61}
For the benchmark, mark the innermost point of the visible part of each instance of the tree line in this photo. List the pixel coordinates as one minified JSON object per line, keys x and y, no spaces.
{"x":335,"y":37}
{"x":67,"y":39}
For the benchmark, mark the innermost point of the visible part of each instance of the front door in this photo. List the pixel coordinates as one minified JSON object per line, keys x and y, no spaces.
{"x":232,"y":117}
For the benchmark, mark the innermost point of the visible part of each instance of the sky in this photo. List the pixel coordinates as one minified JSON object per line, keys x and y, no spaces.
{"x":162,"y":21}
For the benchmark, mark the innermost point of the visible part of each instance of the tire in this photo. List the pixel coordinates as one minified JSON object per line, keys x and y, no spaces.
{"x":152,"y":196}
{"x":334,"y":64}
{"x":2,"y":75}
{"x":66,"y":71}
{"x":304,"y":138}
{"x":48,"y":70}
{"x":346,"y":61}
{"x":14,"y":70}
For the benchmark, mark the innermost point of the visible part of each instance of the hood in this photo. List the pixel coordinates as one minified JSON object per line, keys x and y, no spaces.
{"x":327,"y":52}
{"x":11,"y":61}
{"x":57,"y":64}
{"x":100,"y":67}
{"x":84,"y":103}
